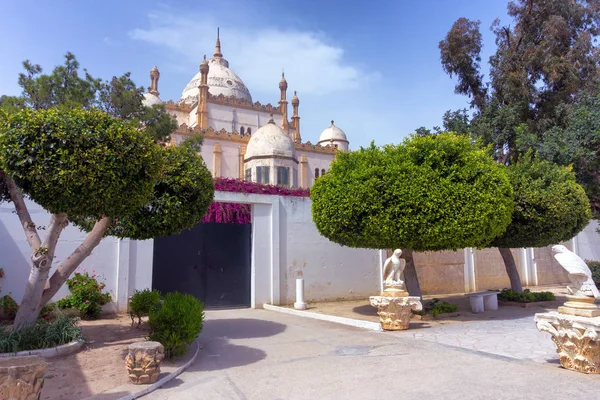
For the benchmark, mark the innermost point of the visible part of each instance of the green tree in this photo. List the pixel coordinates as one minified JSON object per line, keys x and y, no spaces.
{"x":541,"y":65}
{"x":578,"y":143}
{"x":78,"y":164}
{"x":550,"y":207}
{"x":430,"y":193}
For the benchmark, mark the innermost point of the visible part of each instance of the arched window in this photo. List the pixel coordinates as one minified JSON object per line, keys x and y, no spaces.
{"x":249,"y":131}
{"x":322,"y":172}
{"x":316,"y":173}
{"x":242,"y":130}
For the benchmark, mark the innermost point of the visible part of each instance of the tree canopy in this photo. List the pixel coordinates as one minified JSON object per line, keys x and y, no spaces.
{"x":550,"y":206}
{"x":429,"y":193}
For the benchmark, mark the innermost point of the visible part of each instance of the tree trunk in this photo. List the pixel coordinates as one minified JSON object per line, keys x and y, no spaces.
{"x":60,"y":276}
{"x":41,"y":259}
{"x":410,"y":274}
{"x":511,"y":270}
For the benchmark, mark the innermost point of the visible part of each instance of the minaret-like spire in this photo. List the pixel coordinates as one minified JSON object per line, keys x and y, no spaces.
{"x":218,"y":46}
{"x":283,"y":104}
{"x":296,"y":119}
{"x":154,"y":76}
{"x":202,"y":111}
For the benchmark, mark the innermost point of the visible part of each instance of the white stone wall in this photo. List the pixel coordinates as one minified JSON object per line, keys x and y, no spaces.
{"x":587,"y":243}
{"x":123,"y":265}
{"x":330,"y":271}
{"x":316,"y":160}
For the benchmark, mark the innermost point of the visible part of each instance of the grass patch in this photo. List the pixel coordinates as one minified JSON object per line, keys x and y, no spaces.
{"x":43,"y":334}
{"x":435,"y":307}
{"x":526,"y":297}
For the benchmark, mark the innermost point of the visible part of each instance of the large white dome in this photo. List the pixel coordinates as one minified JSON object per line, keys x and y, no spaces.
{"x":332,"y":133}
{"x":151,"y":99}
{"x":221,"y":80}
{"x":270,"y":141}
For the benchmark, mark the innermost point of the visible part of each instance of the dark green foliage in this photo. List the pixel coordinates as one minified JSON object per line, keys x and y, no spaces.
{"x":79,"y":162}
{"x":195,"y":142}
{"x":550,"y":206}
{"x":9,"y":306}
{"x":142,"y":302}
{"x":41,"y":335}
{"x":435,"y":307}
{"x":158,"y":123}
{"x":578,"y":143}
{"x":526,"y":296}
{"x":86,"y":295}
{"x":429,"y":193}
{"x":176,"y":323}
{"x":181,"y":197}
{"x":595,"y":268}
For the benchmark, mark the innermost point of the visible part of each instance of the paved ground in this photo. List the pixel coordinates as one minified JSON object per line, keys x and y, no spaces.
{"x":262,"y":355}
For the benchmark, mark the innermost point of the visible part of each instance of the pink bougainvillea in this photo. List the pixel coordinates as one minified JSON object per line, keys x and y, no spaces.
{"x":235,"y":213}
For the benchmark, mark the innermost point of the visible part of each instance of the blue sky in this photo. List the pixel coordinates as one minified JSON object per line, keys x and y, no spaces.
{"x":373,"y":66}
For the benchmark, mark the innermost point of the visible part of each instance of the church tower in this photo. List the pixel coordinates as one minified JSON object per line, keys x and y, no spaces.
{"x":283,"y":104}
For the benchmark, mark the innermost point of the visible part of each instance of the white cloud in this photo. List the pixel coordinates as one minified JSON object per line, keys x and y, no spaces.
{"x":258,"y":55}
{"x":110,"y":42}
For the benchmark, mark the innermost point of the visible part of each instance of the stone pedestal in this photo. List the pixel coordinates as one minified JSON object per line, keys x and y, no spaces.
{"x":143,"y":362}
{"x":577,"y":339}
{"x":21,"y":378}
{"x":395,"y":309}
{"x":580,"y":306}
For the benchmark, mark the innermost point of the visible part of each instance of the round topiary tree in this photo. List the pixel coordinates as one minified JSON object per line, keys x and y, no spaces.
{"x":101,"y":172}
{"x":430,"y":193}
{"x":550,"y":207}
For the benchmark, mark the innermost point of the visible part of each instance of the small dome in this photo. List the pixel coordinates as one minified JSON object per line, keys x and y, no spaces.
{"x":332,"y":133}
{"x":151,"y":99}
{"x":270,"y":140}
{"x":221,"y":80}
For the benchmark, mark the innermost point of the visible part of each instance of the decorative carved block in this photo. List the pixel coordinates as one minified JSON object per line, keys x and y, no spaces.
{"x":143,"y":362}
{"x":22,"y":378}
{"x":577,"y":340}
{"x":395,"y":312}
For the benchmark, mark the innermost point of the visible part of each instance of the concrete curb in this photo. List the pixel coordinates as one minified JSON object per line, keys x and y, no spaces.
{"x":59,"y":351}
{"x":164,"y":379}
{"x":374,"y":326}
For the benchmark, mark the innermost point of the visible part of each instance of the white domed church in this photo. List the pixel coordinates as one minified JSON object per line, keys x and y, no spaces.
{"x":245,"y":139}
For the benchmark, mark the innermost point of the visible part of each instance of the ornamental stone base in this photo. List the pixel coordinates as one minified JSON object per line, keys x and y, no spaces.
{"x":577,"y":340}
{"x":22,"y":378}
{"x":143,"y":362}
{"x":395,"y":312}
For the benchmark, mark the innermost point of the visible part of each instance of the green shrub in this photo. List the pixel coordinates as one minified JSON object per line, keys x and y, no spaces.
{"x":86,"y":295}
{"x":526,"y":297}
{"x":595,"y":268}
{"x":176,"y":323}
{"x":142,"y":302}
{"x":41,"y":335}
{"x":435,"y":307}
{"x":9,"y":306}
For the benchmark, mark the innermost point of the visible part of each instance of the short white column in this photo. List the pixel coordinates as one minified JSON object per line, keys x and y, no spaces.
{"x":490,"y":302}
{"x":476,"y":303}
{"x":300,"y":304}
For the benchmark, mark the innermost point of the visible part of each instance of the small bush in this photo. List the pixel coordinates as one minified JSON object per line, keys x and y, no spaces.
{"x":142,"y":302}
{"x":41,"y":335}
{"x":86,"y":295}
{"x":435,"y":307}
{"x":9,"y":306}
{"x":526,"y":297}
{"x":595,"y":268}
{"x":176,"y":323}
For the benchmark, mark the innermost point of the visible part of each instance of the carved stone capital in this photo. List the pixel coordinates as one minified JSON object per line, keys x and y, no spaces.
{"x":395,"y":312}
{"x":577,"y":340}
{"x":22,"y":378}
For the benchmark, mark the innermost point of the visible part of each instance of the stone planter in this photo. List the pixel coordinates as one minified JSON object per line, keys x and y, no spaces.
{"x":395,"y":312}
{"x":21,"y":378}
{"x":143,"y":362}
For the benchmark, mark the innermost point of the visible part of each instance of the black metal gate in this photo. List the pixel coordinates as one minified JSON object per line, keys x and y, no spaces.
{"x":211,"y":261}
